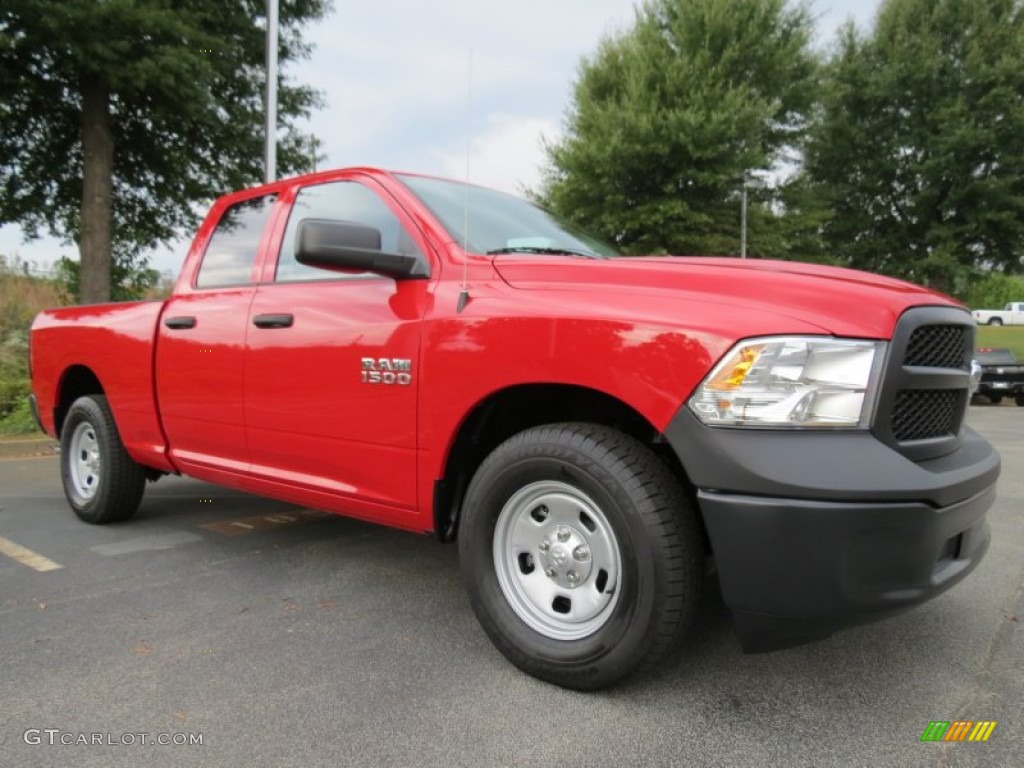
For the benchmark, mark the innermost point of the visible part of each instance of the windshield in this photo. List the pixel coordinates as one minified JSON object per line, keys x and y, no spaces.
{"x":998,"y":355}
{"x":501,"y":223}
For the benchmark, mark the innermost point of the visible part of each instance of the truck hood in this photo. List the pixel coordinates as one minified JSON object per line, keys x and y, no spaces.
{"x":843,"y":302}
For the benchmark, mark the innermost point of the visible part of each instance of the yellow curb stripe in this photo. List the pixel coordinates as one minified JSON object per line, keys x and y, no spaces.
{"x":27,"y":556}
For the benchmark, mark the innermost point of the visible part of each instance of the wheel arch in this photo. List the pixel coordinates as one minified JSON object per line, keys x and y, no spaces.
{"x":513,"y":409}
{"x":76,"y":381}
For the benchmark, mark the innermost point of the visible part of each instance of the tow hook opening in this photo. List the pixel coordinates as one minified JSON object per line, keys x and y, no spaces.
{"x":951,"y":549}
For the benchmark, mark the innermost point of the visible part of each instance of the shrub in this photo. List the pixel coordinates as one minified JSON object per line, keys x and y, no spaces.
{"x":995,"y":290}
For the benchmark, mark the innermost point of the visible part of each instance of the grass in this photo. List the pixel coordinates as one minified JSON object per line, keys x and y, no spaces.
{"x":1010,"y":336}
{"x":19,"y":422}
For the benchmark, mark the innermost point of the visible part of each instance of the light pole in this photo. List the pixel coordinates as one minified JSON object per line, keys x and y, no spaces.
{"x":271,"y":138}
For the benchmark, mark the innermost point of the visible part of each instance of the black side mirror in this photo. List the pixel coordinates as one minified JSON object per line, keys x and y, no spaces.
{"x":331,"y":244}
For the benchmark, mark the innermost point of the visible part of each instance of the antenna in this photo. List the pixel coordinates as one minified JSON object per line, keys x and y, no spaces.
{"x":464,"y":293}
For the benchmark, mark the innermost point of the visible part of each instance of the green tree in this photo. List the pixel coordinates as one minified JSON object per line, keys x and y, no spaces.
{"x":670,"y":117}
{"x":919,"y":146}
{"x":119,"y":116}
{"x":129,"y":280}
{"x":995,"y":290}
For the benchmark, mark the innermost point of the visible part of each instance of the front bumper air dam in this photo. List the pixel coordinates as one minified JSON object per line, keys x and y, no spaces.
{"x":813,"y":532}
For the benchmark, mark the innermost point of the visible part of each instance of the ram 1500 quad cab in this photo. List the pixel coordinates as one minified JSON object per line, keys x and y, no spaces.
{"x":595,"y":431}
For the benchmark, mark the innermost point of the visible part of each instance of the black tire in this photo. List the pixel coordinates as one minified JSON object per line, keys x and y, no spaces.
{"x":995,"y":399}
{"x":994,"y":321}
{"x":101,"y":481}
{"x":601,"y":481}
{"x":1019,"y":400}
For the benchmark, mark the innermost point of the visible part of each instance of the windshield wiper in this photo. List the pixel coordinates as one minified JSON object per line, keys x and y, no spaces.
{"x":549,"y":251}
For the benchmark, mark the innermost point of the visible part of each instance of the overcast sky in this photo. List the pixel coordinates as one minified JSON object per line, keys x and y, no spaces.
{"x":394,"y":74}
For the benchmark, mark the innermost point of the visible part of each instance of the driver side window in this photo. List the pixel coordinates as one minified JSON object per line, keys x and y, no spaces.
{"x":347,"y":201}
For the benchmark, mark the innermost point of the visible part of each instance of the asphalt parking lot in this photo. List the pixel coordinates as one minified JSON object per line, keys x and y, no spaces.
{"x":281,"y":637}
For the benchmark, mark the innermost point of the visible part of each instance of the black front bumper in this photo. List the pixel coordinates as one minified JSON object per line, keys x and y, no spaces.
{"x":1001,"y":388}
{"x":812,"y":532}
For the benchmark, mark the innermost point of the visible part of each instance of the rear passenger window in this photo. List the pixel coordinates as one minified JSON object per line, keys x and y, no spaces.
{"x":341,"y":201}
{"x":232,"y":249}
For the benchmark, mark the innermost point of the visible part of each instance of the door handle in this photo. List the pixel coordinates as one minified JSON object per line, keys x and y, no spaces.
{"x":283,"y":320}
{"x":178,"y":323}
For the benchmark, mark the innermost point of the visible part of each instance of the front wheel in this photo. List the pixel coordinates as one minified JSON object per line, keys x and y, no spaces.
{"x":101,"y":481}
{"x":1019,"y":400}
{"x":995,"y":399}
{"x":581,"y":554}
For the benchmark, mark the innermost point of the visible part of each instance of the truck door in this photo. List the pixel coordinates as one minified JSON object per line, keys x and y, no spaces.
{"x":332,"y":364}
{"x":200,"y":347}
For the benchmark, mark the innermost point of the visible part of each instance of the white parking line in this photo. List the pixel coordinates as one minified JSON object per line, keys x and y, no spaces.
{"x":27,"y":556}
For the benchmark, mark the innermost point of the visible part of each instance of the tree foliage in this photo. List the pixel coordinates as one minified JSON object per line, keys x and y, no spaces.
{"x":670,"y":117}
{"x":995,"y":291}
{"x":129,"y":280}
{"x":919,"y":147}
{"x":119,"y":116}
{"x":903,"y":154}
{"x":21,"y":297}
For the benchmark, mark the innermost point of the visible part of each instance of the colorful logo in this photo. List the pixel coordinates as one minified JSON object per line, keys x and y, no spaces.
{"x":958,"y":730}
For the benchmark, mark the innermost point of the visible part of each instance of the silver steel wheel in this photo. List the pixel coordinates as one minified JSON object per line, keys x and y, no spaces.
{"x":557,"y":560}
{"x":85,"y":462}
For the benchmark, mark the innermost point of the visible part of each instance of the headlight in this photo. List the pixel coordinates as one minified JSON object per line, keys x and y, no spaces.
{"x":805,"y":381}
{"x":975,"y":376}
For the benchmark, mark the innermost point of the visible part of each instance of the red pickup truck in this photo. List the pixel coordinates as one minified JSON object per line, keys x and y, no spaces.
{"x":598,"y":433}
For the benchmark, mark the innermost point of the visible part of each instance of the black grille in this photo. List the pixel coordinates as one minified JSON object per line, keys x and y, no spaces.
{"x":923,"y":396}
{"x":938,"y":346}
{"x":919,"y":414}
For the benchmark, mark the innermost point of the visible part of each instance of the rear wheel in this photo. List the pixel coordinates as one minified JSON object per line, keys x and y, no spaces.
{"x":1019,"y":400}
{"x":581,"y":554}
{"x":995,"y":399}
{"x":101,"y":481}
{"x":995,"y":321}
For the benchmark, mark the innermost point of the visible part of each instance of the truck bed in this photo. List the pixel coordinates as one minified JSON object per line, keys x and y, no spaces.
{"x":116,"y":343}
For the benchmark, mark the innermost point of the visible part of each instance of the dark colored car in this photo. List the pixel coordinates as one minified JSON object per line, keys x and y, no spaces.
{"x":1002,"y":374}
